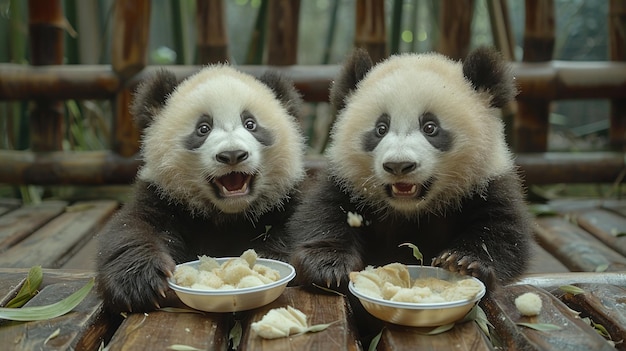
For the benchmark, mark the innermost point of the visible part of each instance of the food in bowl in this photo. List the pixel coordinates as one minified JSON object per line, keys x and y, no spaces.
{"x":392,"y":282}
{"x":415,"y":295}
{"x":231,"y":296}
{"x":235,"y":273}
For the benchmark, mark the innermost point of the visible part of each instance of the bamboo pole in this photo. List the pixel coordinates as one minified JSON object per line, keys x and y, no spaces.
{"x":617,"y":52}
{"x":455,"y":22}
{"x":212,"y":40}
{"x":105,"y":167}
{"x":282,"y":40}
{"x":554,"y":80}
{"x":370,"y":32}
{"x":46,"y":35}
{"x":131,"y":28}
{"x":539,"y":30}
{"x":530,"y":127}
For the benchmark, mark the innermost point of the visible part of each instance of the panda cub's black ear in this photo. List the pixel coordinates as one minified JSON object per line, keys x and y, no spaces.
{"x":284,"y":90}
{"x":487,"y":70}
{"x":356,"y":66}
{"x":151,"y":96}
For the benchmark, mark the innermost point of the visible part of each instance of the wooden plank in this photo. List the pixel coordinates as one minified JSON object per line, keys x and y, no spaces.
{"x":608,"y":227}
{"x":577,"y":249}
{"x":464,"y":336}
{"x":320,"y":309}
{"x":57,"y":241}
{"x":19,"y":224}
{"x":7,"y":205}
{"x":543,"y":262}
{"x":71,"y":326}
{"x":574,"y":333}
{"x":159,"y":330}
{"x":604,"y":304}
{"x":85,"y":258}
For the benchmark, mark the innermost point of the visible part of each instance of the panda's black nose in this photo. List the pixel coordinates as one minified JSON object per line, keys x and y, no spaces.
{"x":399,"y":168}
{"x":231,"y":157}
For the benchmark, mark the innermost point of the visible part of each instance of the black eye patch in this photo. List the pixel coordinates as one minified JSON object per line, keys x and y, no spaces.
{"x":371,"y":138}
{"x":261,"y":134}
{"x":203,"y":128}
{"x":431,"y":128}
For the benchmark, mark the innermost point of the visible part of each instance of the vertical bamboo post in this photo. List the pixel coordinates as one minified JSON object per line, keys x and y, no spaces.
{"x":46,"y":37}
{"x":212,"y":38}
{"x":531,"y":126}
{"x":282,"y":44}
{"x":539,"y":30}
{"x":505,"y":43}
{"x":131,"y":29}
{"x":370,"y":32}
{"x":617,"y":52}
{"x":455,"y":22}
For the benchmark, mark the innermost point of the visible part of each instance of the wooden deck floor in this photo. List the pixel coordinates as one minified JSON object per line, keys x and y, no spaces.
{"x":571,"y":235}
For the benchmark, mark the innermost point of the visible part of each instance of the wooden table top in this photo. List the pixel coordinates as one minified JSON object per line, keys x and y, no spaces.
{"x":87,"y":327}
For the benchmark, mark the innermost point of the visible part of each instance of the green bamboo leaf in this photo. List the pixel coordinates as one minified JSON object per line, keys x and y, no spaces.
{"x":178,"y":347}
{"x":375,"y":341}
{"x":542,"y":210}
{"x":179,"y":310}
{"x":540,"y":326}
{"x":235,"y":335}
{"x":601,"y":330}
{"x":328,"y":290}
{"x":53,"y":335}
{"x":38,"y":313}
{"x":318,"y":327}
{"x":602,"y":268}
{"x":440,"y":329}
{"x":416,"y":252}
{"x":29,"y":289}
{"x":571,"y":289}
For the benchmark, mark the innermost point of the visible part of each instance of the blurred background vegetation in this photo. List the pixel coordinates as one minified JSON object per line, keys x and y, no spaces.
{"x":326,"y":34}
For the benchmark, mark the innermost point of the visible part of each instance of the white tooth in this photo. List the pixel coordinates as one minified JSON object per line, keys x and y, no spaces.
{"x":224,"y":190}
{"x":244,"y":187}
{"x":413,"y":189}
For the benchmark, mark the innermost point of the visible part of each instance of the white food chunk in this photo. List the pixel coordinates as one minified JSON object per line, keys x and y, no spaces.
{"x":528,"y":304}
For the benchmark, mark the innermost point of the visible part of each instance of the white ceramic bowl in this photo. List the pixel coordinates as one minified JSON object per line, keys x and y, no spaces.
{"x":234,"y":300}
{"x":420,"y":314}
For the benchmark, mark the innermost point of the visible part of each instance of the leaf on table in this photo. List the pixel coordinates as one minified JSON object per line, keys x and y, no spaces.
{"x":571,"y":289}
{"x":28,"y":289}
{"x":540,"y":326}
{"x":38,"y":313}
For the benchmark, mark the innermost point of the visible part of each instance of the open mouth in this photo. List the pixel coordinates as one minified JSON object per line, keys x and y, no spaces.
{"x":408,"y":190}
{"x":233,"y":184}
{"x":405,"y":190}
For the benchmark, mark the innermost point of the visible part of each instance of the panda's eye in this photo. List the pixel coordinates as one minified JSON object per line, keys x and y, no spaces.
{"x":203,"y":129}
{"x":381,"y":129}
{"x":430,"y":128}
{"x":250,"y":124}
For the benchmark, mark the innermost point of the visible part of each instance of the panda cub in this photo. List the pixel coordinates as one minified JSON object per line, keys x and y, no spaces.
{"x":223,"y":156}
{"x":417,"y":155}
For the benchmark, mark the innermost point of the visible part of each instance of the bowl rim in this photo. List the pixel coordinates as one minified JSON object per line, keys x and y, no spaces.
{"x":221,"y":292}
{"x":420,"y":306}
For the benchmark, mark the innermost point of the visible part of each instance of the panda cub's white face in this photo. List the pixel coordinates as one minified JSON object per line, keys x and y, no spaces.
{"x":415,"y":137}
{"x":224,"y":142}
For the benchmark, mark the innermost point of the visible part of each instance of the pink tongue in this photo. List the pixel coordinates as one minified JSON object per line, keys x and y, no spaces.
{"x":403,"y":187}
{"x":233,"y":181}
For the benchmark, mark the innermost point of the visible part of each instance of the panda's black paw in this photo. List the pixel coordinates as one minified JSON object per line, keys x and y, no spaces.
{"x":139,"y":285}
{"x":325,"y":268}
{"x":467,"y":264}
